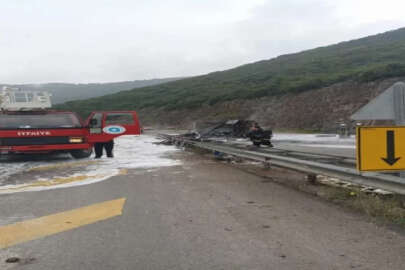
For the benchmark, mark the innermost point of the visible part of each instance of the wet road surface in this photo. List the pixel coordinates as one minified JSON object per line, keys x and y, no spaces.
{"x":195,"y":214}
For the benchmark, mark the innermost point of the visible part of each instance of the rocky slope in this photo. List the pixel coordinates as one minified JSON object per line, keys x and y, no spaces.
{"x":319,"y":109}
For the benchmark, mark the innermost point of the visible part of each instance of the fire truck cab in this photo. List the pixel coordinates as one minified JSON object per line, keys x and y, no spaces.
{"x":28,"y":126}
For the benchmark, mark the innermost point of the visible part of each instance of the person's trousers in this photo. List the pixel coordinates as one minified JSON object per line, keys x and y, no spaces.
{"x":98,"y":149}
{"x":108,"y":146}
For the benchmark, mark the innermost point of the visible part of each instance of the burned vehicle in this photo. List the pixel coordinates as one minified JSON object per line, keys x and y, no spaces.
{"x":233,"y":129}
{"x":259,"y":136}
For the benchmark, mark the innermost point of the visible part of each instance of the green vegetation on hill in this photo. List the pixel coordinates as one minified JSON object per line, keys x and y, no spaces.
{"x":367,"y":59}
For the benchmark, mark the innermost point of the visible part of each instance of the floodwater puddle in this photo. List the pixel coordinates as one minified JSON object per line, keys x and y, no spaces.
{"x":62,"y":171}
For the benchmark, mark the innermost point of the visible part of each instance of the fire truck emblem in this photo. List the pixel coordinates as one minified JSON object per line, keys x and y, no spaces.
{"x":34,"y":133}
{"x":114,"y":130}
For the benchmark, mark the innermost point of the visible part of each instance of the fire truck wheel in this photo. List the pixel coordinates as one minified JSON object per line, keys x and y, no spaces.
{"x":85,"y":153}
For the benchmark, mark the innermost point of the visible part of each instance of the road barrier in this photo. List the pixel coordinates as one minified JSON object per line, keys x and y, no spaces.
{"x":386,"y":182}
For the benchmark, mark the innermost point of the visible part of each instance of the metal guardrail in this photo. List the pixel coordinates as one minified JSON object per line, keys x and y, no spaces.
{"x":376,"y":180}
{"x":305,"y":155}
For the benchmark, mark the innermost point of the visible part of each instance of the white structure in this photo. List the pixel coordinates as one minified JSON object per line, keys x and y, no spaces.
{"x":13,"y":99}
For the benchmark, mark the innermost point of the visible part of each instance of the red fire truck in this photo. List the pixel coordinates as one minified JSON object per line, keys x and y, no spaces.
{"x":27,"y":125}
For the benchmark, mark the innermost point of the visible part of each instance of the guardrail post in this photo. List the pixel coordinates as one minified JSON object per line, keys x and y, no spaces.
{"x":266,"y":163}
{"x":311,"y":178}
{"x":399,"y":109}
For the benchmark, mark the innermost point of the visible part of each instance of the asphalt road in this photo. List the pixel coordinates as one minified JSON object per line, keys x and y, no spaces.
{"x":338,"y":148}
{"x":319,"y":149}
{"x":198,"y":215}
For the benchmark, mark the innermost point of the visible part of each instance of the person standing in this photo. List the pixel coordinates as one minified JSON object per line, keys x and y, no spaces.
{"x":108,"y":146}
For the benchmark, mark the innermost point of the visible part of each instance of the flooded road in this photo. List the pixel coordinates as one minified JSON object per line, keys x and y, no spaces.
{"x":33,"y":173}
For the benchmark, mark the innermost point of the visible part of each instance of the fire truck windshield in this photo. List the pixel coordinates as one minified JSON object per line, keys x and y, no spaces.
{"x":47,"y":120}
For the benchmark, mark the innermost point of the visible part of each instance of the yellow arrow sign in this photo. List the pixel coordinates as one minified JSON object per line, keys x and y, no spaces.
{"x":380,"y":148}
{"x":40,"y":227}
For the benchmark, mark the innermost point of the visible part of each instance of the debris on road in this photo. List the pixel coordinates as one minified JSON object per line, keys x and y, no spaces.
{"x":229,"y":129}
{"x":13,"y":260}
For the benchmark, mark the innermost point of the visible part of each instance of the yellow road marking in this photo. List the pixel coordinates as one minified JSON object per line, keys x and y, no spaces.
{"x":63,"y":165}
{"x":123,"y":172}
{"x":56,"y":181}
{"x":24,"y":231}
{"x":61,"y":180}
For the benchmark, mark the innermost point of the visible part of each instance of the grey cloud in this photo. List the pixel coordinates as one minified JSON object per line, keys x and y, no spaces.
{"x":92,"y":41}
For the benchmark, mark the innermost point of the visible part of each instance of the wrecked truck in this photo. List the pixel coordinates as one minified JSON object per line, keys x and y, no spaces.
{"x":233,"y":129}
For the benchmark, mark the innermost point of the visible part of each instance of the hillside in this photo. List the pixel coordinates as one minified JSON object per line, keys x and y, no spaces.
{"x":63,"y":92}
{"x":369,"y":59}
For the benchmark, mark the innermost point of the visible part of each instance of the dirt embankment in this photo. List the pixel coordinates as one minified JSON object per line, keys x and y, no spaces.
{"x":318,"y":109}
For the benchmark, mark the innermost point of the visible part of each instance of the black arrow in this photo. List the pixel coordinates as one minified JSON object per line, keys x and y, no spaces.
{"x":391,"y":159}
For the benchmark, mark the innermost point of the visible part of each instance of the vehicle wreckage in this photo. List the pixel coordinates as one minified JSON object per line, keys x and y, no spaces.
{"x":232,"y":129}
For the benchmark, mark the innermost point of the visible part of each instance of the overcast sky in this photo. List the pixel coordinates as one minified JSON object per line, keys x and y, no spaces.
{"x":102,"y":40}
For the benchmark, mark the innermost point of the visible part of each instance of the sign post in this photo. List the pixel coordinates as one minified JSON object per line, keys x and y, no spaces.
{"x":399,"y":109}
{"x":372,"y":142}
